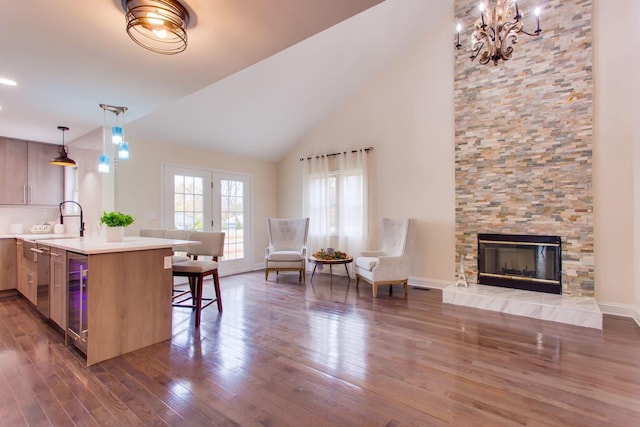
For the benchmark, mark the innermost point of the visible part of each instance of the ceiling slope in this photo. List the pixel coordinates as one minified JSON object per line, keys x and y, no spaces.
{"x":257,"y":75}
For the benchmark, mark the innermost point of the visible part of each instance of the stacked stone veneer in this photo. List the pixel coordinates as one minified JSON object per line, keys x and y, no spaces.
{"x":524,"y":136}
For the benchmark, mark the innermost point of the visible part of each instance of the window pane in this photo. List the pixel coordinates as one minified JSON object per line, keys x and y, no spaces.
{"x":198,"y":203}
{"x":198,"y":221}
{"x":232,"y":214}
{"x":189,"y":202}
{"x":178,"y":202}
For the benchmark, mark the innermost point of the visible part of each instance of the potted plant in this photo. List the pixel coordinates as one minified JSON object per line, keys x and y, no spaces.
{"x":115,"y":222}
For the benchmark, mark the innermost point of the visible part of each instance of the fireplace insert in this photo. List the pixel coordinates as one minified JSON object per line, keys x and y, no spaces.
{"x":520,"y":261}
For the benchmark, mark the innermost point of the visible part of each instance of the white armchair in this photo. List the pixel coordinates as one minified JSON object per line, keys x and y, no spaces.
{"x":390,"y":265}
{"x":287,"y":249}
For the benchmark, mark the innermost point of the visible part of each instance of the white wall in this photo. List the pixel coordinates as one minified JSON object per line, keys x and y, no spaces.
{"x":635,"y":47}
{"x":26,"y":215}
{"x":139,"y":185}
{"x":614,"y":122}
{"x":406,"y":114}
{"x":88,"y":192}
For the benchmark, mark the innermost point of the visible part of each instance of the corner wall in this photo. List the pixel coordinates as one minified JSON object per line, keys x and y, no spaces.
{"x":616,"y":120}
{"x":406,"y":114}
{"x":523,"y":138}
{"x":139,"y":185}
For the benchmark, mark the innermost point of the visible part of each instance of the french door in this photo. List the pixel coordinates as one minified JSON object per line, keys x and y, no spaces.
{"x":210,"y":200}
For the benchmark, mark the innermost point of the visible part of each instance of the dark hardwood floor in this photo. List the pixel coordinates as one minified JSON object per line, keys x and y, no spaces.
{"x":291,"y":354}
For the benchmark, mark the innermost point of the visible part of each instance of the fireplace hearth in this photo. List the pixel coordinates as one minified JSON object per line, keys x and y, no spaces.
{"x":518,"y":261}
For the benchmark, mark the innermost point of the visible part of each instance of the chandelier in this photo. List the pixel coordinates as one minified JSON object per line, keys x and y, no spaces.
{"x":157,"y":25}
{"x":496,"y":31}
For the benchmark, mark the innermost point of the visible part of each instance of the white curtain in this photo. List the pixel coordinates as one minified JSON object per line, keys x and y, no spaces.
{"x":353,"y":202}
{"x":316,"y":199}
{"x":349,"y":173}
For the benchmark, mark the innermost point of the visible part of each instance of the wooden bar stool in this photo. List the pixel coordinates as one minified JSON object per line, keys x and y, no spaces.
{"x":196,"y":270}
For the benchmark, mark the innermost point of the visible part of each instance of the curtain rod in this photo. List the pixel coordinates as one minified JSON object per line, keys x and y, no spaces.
{"x":366,"y":150}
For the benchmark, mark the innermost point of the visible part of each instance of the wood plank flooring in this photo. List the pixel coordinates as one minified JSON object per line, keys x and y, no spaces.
{"x":290,"y":354}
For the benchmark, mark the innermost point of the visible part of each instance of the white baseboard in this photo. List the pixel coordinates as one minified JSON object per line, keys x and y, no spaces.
{"x":624,"y":310}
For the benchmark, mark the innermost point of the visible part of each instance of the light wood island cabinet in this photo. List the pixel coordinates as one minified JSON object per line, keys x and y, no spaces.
{"x":126,"y":289}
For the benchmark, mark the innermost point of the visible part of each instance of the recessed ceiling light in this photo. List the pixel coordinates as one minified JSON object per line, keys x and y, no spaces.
{"x":7,"y":82}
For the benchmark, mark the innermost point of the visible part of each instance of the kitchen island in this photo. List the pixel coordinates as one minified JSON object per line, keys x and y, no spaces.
{"x":122,"y":294}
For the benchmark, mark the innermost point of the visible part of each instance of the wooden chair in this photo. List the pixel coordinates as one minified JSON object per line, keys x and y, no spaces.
{"x":196,"y":270}
{"x":168,"y":234}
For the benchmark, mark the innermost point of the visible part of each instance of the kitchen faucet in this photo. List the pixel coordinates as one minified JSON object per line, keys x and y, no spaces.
{"x":62,"y":216}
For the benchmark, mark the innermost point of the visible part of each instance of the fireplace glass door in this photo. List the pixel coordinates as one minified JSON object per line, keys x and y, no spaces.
{"x":520,"y":262}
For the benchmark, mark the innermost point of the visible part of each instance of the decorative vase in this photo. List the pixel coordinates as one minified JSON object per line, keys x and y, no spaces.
{"x":115,"y":234}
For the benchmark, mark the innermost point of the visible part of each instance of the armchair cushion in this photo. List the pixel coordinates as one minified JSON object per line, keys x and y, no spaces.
{"x":285,"y":256}
{"x":366,"y":262}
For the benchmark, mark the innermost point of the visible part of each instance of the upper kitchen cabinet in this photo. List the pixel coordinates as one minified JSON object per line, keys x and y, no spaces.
{"x":26,"y":177}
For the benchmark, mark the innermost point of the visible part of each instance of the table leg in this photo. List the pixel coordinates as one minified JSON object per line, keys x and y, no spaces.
{"x":347,"y":270}
{"x":331,"y":274}
{"x":314,"y":271}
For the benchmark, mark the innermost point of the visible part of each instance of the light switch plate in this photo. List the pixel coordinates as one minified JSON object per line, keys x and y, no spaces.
{"x":167,"y":262}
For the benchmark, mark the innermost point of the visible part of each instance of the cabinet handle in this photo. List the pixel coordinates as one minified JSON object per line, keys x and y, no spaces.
{"x":24,"y":194}
{"x":29,"y":194}
{"x":56,"y":285}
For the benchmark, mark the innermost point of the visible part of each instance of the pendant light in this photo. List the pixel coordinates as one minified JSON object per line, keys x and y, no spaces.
{"x":104,"y":163}
{"x":63,"y":159}
{"x":117,"y":138}
{"x":123,"y":150}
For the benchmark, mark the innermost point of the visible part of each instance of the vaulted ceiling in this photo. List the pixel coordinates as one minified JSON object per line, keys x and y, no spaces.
{"x":256,"y":76}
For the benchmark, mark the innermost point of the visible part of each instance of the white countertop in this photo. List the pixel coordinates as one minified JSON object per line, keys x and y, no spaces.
{"x":98,"y":244}
{"x":35,"y":236}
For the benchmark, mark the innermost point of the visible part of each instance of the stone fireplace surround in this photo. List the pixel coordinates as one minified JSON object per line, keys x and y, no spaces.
{"x":523,"y":155}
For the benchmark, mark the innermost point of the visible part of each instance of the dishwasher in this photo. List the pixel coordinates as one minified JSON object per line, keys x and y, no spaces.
{"x":77,"y":325}
{"x":40,"y":254}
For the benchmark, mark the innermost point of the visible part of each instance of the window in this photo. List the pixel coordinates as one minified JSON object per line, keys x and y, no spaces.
{"x":206,"y":200}
{"x":232,"y":216}
{"x":335,"y":200}
{"x":188,"y":209}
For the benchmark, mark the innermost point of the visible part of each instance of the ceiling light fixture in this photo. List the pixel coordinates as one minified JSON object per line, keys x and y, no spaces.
{"x":496,"y":31}
{"x":7,"y":82}
{"x":63,"y":159}
{"x":157,"y":25}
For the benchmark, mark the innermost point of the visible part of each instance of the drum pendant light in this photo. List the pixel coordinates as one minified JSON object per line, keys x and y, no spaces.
{"x":157,"y":25}
{"x":63,"y":159}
